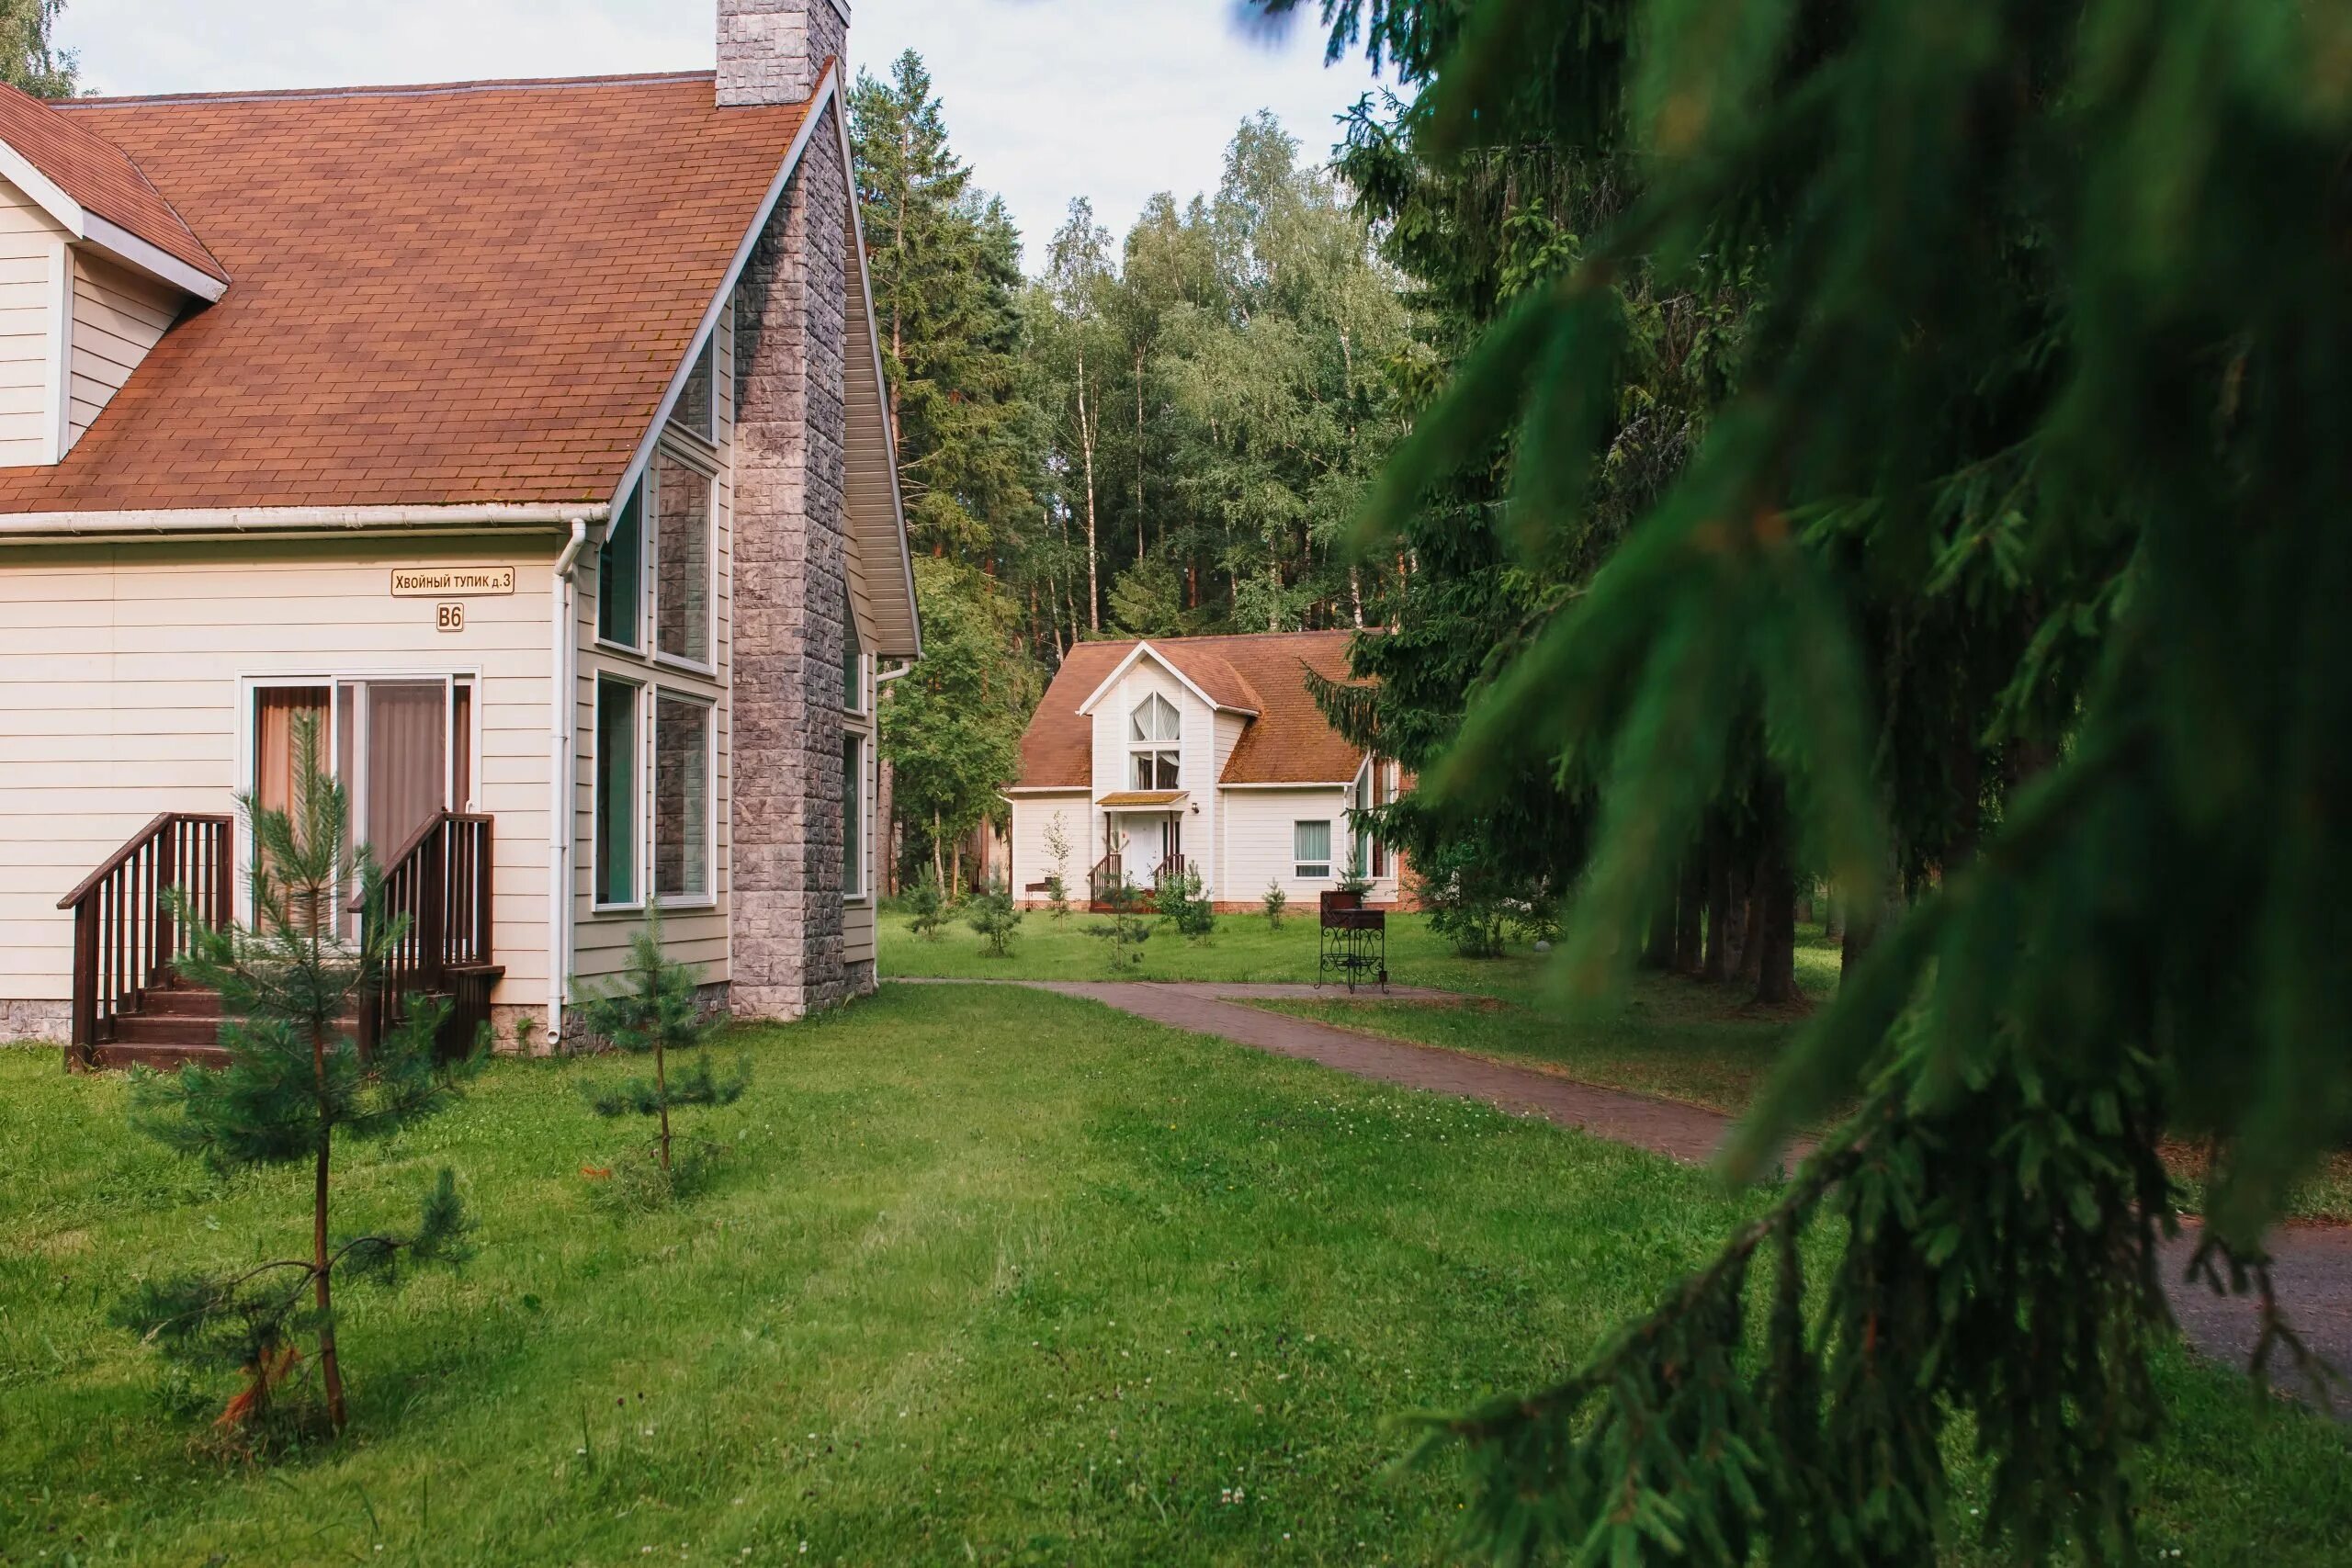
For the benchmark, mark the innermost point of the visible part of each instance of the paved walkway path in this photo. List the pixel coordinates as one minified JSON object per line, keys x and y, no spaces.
{"x":2314,"y":1264}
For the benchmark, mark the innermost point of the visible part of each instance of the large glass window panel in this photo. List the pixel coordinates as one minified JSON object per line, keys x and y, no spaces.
{"x":853,"y":816}
{"x":681,"y":797}
{"x":620,"y":572}
{"x":681,"y":556}
{"x":617,"y":763}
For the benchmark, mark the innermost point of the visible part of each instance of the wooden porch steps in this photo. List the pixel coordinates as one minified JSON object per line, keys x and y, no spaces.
{"x":166,"y":1028}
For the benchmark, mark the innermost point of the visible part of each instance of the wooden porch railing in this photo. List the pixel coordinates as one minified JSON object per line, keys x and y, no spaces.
{"x":1173,"y":866}
{"x":125,"y":936}
{"x":1108,"y":874}
{"x":440,"y":881}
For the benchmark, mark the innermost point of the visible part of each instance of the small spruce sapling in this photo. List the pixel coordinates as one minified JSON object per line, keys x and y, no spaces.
{"x":1126,"y":931}
{"x":295,"y":1079}
{"x":1273,"y":901}
{"x":993,"y":915}
{"x":651,"y":1009}
{"x":1183,"y":906}
{"x":926,"y":910}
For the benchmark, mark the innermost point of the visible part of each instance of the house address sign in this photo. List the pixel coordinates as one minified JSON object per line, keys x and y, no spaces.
{"x":440,"y":582}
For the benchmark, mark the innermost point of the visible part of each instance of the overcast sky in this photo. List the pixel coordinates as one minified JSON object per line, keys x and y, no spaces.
{"x":1048,"y":99}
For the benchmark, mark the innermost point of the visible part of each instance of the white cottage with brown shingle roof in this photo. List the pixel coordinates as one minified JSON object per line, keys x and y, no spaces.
{"x":1201,"y":754}
{"x":528,"y":437}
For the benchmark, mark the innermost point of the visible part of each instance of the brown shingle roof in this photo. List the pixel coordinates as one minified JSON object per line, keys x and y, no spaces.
{"x":99,"y":177}
{"x":442,"y":295}
{"x":1289,"y":741}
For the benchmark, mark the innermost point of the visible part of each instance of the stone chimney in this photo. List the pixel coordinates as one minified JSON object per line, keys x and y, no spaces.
{"x":791,"y":547}
{"x":770,"y":52}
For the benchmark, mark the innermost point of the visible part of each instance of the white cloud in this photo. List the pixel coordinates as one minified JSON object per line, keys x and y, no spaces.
{"x":1048,"y":99}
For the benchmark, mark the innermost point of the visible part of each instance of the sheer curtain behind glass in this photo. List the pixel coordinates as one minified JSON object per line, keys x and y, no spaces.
{"x":407,"y":761}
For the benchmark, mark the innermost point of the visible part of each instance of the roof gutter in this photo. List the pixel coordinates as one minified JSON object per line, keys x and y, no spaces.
{"x":25,"y":527}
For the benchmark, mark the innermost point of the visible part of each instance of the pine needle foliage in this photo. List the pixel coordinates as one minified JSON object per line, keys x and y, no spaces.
{"x":2050,"y":334}
{"x":995,"y":917}
{"x":295,"y":1079}
{"x":652,"y":1009}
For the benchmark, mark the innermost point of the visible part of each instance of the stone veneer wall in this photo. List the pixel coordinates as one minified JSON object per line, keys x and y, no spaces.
{"x":790,"y":541}
{"x":47,"y":1022}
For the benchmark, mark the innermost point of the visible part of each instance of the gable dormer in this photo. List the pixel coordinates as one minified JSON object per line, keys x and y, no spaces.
{"x":94,"y":267}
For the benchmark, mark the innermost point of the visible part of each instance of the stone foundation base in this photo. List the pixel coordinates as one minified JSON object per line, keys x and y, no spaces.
{"x":36,"y":1022}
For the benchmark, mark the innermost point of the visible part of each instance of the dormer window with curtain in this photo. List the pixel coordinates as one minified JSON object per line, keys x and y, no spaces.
{"x":1153,"y":733}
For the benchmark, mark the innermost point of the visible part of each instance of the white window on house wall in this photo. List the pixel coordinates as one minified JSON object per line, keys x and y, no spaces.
{"x":853,"y":816}
{"x":617,"y":763}
{"x":683,"y":559}
{"x":620,"y":576}
{"x":1310,"y":849}
{"x":1154,"y":731}
{"x":682,"y":841}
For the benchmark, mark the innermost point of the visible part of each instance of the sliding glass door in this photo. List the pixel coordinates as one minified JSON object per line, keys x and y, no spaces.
{"x":402,"y":748}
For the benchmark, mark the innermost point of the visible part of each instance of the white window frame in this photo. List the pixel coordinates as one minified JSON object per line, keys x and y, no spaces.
{"x":864,"y":892}
{"x":652,"y":722}
{"x":641,"y":880}
{"x":1307,"y":870}
{"x":705,"y":463}
{"x":1151,"y":747}
{"x":250,"y":686}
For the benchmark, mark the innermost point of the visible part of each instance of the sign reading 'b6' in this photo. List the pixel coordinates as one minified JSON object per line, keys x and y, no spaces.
{"x":440,"y":582}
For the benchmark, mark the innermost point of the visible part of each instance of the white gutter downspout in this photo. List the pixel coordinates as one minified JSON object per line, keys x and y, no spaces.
{"x":560,"y":782}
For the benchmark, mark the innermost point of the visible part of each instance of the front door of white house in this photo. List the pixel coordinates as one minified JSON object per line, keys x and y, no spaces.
{"x":1155,"y":840}
{"x":402,"y":746}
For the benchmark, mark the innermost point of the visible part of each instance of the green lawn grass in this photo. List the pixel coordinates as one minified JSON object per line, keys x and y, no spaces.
{"x":1244,"y":949}
{"x":1670,"y":1036}
{"x":989,"y":1277}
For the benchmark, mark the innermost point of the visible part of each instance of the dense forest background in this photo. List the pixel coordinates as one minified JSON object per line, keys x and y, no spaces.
{"x":1162,"y":432}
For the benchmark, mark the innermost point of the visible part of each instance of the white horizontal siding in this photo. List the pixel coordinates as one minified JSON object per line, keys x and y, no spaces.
{"x":1257,"y":841}
{"x":119,"y":317}
{"x":32,"y":253}
{"x":1032,"y":862}
{"x":122,"y":689}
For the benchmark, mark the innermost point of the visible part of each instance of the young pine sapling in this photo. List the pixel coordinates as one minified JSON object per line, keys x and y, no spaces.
{"x":651,"y":1009}
{"x":1184,"y":906}
{"x":993,"y":915}
{"x":926,"y":910}
{"x":1126,"y":931}
{"x":295,"y":1080}
{"x":1273,"y":901}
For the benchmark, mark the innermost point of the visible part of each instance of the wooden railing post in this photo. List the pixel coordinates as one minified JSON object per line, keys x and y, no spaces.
{"x":433,"y":909}
{"x":86,"y":982}
{"x":482,"y":943}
